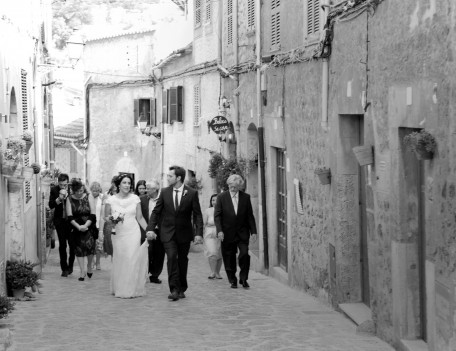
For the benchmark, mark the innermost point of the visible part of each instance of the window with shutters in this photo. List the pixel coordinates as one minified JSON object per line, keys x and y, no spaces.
{"x":208,"y":10}
{"x":198,"y":13}
{"x":164,"y":106}
{"x":145,"y":109}
{"x":196,"y":105}
{"x":251,"y":14}
{"x":25,"y":126}
{"x":175,"y":102}
{"x":229,"y":21}
{"x":313,"y":16}
{"x":73,"y":161}
{"x":275,"y":25}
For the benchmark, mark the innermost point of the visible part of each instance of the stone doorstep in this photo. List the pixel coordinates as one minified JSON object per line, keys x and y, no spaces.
{"x":5,"y":339}
{"x":413,"y":345}
{"x":357,"y":312}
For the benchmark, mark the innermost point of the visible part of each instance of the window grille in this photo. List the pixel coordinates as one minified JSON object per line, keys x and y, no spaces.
{"x":275,"y":25}
{"x":25,"y":126}
{"x":313,"y":16}
{"x":196,"y":105}
{"x":197,"y":13}
{"x":251,"y":14}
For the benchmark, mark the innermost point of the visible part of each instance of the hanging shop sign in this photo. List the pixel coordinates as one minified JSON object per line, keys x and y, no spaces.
{"x":219,"y":124}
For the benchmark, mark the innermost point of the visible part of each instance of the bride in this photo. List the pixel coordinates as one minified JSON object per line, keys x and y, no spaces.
{"x":130,"y":258}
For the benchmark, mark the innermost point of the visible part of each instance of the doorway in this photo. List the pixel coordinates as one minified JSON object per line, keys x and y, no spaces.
{"x":282,"y":209}
{"x":413,"y":222}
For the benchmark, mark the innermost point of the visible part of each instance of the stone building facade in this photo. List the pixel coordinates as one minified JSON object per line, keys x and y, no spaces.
{"x":377,"y":242}
{"x":25,"y":27}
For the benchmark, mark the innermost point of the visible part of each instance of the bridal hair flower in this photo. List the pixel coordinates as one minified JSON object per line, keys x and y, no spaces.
{"x":117,"y":217}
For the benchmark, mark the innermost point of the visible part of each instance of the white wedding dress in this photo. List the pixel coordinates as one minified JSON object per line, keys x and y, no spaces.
{"x":130,"y":258}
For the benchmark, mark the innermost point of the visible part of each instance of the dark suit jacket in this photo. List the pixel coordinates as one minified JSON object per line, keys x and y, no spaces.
{"x":145,"y":212}
{"x":234,"y":226}
{"x":54,"y":194}
{"x":177,"y":222}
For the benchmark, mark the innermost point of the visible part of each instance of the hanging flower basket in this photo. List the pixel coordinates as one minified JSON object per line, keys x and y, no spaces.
{"x":364,"y":154}
{"x":422,"y":143}
{"x":36,"y":167}
{"x":8,"y":167}
{"x":15,"y":184}
{"x":28,"y":145}
{"x":27,"y":173}
{"x":324,"y":175}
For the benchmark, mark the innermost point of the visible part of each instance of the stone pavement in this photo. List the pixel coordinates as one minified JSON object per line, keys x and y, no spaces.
{"x":72,"y":316}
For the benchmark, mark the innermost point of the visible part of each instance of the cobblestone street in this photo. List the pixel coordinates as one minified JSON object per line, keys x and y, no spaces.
{"x":71,"y":315}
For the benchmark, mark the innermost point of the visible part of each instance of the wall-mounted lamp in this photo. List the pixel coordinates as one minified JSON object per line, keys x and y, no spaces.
{"x":3,"y":116}
{"x":225,"y":103}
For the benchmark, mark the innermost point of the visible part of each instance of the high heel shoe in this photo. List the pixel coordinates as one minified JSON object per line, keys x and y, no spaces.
{"x":81,"y":279}
{"x":89,"y":275}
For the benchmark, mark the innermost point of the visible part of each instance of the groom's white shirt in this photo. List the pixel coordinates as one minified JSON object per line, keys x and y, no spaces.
{"x":179,"y":194}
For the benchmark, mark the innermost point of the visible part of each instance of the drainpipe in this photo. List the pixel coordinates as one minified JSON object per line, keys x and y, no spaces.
{"x":325,"y":79}
{"x":51,"y":127}
{"x":237,"y":126}
{"x":264,"y":217}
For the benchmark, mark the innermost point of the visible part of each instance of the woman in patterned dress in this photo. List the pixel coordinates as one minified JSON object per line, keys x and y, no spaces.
{"x":82,"y":219}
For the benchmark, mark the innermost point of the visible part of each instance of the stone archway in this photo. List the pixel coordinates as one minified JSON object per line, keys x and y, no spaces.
{"x":252,"y":178}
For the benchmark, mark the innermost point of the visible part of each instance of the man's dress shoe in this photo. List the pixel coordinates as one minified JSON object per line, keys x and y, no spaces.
{"x":181,"y":295}
{"x":173,"y":296}
{"x":64,"y":274}
{"x":244,"y":284}
{"x":234,"y":285}
{"x":155,"y":280}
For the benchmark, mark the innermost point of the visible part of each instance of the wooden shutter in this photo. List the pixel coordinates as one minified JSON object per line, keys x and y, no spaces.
{"x":173,"y":104}
{"x":275,"y":25}
{"x":165,"y":118}
{"x":208,"y":10}
{"x":313,"y":16}
{"x":180,"y":104}
{"x":135,"y":112}
{"x":153,"y":113}
{"x":251,"y":14}
{"x":229,"y":13}
{"x":73,"y":161}
{"x":25,"y":126}
{"x":196,"y":105}
{"x":198,"y":13}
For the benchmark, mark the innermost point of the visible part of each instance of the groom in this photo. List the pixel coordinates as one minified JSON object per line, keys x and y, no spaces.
{"x":176,"y":206}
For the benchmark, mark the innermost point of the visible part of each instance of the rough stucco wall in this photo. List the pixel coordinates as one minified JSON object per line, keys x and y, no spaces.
{"x":112,"y":134}
{"x":205,"y":42}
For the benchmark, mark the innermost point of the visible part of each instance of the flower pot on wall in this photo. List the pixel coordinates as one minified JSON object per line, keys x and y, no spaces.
{"x":27,"y":173}
{"x":9,"y":167}
{"x":423,"y":154}
{"x":364,"y":154}
{"x":28,"y":145}
{"x":324,"y":175}
{"x":18,"y":293}
{"x":15,"y":184}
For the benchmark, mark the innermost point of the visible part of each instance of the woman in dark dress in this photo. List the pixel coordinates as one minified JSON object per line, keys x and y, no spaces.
{"x":81,"y":215}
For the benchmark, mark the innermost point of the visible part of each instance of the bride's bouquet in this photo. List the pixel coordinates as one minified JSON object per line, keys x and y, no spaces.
{"x":117,"y":217}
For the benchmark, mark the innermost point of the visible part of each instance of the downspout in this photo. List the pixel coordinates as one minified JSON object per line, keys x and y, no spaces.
{"x":325,"y":79}
{"x":237,"y":126}
{"x":51,"y":126}
{"x":264,"y":217}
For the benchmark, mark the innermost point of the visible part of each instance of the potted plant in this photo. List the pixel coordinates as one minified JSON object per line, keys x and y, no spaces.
{"x":422,"y":143}
{"x":27,"y":173}
{"x":27,"y":137}
{"x":20,"y":275}
{"x":6,"y":306}
{"x":324,"y":175}
{"x":10,"y":162}
{"x":36,"y":167}
{"x":16,"y":145}
{"x":48,"y":175}
{"x":364,"y":154}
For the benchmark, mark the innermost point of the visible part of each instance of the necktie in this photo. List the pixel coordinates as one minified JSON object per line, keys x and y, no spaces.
{"x":235,"y":203}
{"x":176,"y":199}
